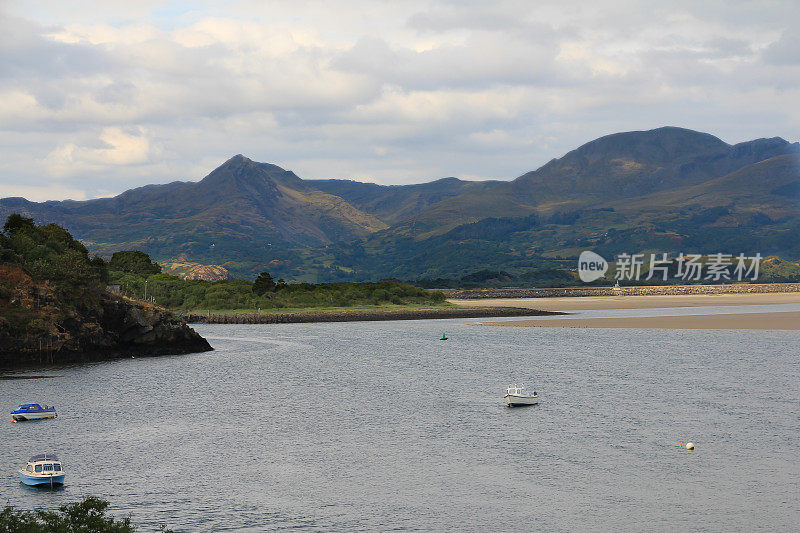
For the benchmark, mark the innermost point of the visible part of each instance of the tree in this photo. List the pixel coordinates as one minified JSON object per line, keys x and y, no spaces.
{"x":133,"y":262}
{"x":16,"y":222}
{"x":263,"y":283}
{"x":86,"y":515}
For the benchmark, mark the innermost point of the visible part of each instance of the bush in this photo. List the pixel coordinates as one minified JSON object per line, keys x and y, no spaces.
{"x":88,"y":515}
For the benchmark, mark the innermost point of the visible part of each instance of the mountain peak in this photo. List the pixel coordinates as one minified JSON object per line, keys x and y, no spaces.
{"x":660,"y":144}
{"x":238,"y":159}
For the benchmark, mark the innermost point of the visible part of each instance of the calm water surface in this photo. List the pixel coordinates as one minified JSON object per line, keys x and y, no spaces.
{"x":379,"y":426}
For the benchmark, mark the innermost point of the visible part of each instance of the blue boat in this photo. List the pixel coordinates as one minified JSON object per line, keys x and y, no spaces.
{"x":43,"y":470}
{"x":32,"y":411}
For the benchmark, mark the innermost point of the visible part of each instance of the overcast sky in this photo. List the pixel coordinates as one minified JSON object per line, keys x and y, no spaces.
{"x":98,"y":97}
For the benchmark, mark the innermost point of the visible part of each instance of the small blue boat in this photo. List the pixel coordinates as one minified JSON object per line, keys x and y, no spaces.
{"x":32,"y":411}
{"x":43,"y":470}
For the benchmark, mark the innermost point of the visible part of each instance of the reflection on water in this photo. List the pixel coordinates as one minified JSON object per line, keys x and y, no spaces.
{"x":375,"y":426}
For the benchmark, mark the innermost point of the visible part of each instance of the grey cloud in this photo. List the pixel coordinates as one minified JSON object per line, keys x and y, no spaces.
{"x":477,"y":19}
{"x":786,"y":50}
{"x":479,"y":62}
{"x":26,"y":54}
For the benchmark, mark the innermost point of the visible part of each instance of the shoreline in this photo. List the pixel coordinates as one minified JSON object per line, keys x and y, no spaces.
{"x":628,"y":290}
{"x":586,"y":303}
{"x":780,"y":319}
{"x":367,"y":315}
{"x":785,"y":321}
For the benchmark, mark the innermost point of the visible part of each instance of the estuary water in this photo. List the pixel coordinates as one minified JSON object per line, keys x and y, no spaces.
{"x":381,"y":426}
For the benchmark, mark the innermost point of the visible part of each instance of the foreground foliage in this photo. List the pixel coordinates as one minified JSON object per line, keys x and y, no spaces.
{"x":86,"y":516}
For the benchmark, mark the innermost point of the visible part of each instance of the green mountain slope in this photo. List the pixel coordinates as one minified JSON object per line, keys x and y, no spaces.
{"x":395,"y":203}
{"x":623,"y":165}
{"x":663,"y":190}
{"x":241,"y":211}
{"x":754,"y":209}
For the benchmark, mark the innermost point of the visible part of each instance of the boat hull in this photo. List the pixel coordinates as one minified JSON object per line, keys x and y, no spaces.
{"x":518,"y":401}
{"x":22,"y":417}
{"x":38,"y":481}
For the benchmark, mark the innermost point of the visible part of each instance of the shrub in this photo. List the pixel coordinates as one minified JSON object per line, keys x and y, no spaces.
{"x":84,"y":516}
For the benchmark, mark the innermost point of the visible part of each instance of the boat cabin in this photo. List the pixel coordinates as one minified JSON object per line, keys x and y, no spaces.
{"x":30,"y":407}
{"x":518,"y":390}
{"x":45,"y":463}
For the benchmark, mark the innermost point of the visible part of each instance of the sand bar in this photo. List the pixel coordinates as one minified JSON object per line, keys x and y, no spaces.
{"x":636,"y":302}
{"x":757,"y":321}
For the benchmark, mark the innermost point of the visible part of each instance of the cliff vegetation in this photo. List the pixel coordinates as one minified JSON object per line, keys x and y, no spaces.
{"x":54,"y":306}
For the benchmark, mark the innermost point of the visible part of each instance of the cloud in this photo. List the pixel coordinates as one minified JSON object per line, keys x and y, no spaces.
{"x":784,"y":51}
{"x":42,"y":193}
{"x":116,"y":147}
{"x":398,"y":92}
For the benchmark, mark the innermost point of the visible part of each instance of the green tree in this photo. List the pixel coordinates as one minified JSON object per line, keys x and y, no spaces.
{"x":88,"y":515}
{"x":16,"y":223}
{"x":133,"y":262}
{"x":263,"y":283}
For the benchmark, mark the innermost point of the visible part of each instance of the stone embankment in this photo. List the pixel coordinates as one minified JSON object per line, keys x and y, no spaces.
{"x":568,"y":292}
{"x":360,"y":315}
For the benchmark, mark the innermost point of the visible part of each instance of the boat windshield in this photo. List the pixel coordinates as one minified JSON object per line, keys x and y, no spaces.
{"x":57,"y":467}
{"x":44,"y":457}
{"x":38,"y":468}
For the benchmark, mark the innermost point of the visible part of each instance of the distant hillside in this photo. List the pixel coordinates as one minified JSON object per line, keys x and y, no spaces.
{"x":663,"y":190}
{"x":243,"y":211}
{"x":753,"y":210}
{"x":603,"y":172}
{"x":395,"y":203}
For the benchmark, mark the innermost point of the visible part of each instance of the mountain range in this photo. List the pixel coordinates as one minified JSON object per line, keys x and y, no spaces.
{"x":663,"y":190}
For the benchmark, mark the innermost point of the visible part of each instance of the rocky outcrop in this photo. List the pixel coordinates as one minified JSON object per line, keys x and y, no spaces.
{"x":115,"y":327}
{"x":189,"y":270}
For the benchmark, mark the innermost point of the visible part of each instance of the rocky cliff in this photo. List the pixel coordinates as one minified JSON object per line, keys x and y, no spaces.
{"x":36,"y":328}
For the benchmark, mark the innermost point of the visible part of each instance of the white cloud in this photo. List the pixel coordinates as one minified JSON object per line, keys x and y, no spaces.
{"x":42,"y":193}
{"x":117,"y":147}
{"x":399,"y":92}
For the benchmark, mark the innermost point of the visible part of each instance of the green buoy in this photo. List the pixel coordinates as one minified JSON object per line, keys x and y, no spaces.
{"x":444,"y":337}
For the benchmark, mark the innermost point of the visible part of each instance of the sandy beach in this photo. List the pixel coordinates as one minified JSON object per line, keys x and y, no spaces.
{"x":779,"y":320}
{"x":636,"y":302}
{"x":762,"y":321}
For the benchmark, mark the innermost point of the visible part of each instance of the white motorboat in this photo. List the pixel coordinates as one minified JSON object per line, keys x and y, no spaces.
{"x":43,"y":470}
{"x":517,"y":395}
